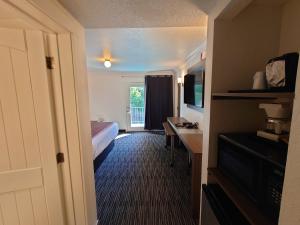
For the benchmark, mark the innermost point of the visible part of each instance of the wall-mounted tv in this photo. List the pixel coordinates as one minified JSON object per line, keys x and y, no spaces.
{"x":194,"y":89}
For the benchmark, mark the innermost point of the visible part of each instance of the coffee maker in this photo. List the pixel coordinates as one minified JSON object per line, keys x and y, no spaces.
{"x":278,"y":121}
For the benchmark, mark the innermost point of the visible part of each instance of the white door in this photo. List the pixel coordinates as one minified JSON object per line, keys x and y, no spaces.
{"x":29,"y":184}
{"x":136,"y":107}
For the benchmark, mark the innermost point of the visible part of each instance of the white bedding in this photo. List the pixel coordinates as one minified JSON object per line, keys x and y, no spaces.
{"x":101,"y":140}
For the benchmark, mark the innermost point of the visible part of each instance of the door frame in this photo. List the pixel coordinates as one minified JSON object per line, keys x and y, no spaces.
{"x":128,"y":117}
{"x":50,"y":16}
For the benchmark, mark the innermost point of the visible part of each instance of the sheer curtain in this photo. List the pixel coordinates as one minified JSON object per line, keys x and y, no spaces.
{"x":159,"y":101}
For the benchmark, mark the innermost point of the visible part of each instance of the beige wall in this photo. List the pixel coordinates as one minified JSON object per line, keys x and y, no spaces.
{"x":109,"y":93}
{"x":290,"y":205}
{"x":290,"y":42}
{"x":290,"y":29}
{"x":81,"y":86}
{"x":243,"y":46}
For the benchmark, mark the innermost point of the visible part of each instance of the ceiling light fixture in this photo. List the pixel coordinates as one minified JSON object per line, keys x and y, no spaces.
{"x":107,"y":63}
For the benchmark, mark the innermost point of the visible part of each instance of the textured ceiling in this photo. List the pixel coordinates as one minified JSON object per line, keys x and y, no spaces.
{"x":140,"y":35}
{"x":138,"y":13}
{"x":142,"y":49}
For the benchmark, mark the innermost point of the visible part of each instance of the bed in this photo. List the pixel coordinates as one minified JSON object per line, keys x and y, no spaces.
{"x":103,"y":133}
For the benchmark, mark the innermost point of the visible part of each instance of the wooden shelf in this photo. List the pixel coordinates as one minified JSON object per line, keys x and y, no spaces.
{"x":253,"y":96}
{"x":246,"y":206}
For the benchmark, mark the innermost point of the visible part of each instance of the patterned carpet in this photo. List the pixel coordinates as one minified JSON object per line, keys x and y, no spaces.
{"x":136,"y":186}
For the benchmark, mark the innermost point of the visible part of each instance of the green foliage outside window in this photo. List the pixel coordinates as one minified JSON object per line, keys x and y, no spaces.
{"x":137,"y":96}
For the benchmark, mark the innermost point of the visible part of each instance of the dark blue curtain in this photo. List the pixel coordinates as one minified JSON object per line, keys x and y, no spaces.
{"x":159,"y":101}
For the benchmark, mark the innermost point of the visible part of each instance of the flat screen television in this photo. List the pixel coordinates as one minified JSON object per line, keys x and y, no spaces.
{"x":194,"y":89}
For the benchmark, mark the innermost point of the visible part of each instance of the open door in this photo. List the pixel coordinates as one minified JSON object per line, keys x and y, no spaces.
{"x":136,"y":107}
{"x":29,"y":191}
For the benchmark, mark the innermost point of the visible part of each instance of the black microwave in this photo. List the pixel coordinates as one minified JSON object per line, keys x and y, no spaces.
{"x":256,"y":166}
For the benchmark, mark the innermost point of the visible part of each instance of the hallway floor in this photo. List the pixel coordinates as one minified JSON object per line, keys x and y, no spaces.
{"x":135,"y":184}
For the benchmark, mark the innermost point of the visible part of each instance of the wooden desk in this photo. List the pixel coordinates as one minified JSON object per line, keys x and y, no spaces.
{"x":180,"y":130}
{"x":192,"y":140}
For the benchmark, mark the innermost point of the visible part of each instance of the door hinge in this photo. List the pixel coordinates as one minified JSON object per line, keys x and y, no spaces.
{"x":60,"y":157}
{"x":50,"y":62}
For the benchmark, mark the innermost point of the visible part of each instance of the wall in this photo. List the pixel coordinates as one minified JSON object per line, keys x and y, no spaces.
{"x":219,"y":7}
{"x":290,"y":204}
{"x":84,"y":127}
{"x":186,"y":112}
{"x":290,"y":42}
{"x":290,"y":32}
{"x":109,"y":93}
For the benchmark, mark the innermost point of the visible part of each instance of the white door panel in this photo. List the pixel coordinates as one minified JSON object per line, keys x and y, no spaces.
{"x":29,"y":192}
{"x":25,"y":211}
{"x":15,"y":180}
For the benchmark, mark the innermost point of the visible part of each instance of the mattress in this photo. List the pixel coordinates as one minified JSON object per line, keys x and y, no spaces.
{"x":103,"y":134}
